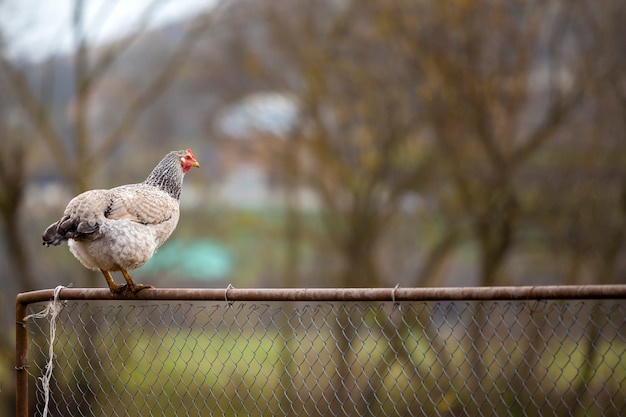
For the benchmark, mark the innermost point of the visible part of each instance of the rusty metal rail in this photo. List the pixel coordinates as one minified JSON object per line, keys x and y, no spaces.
{"x":548,"y":292}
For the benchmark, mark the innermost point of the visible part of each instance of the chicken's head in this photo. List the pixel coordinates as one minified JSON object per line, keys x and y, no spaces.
{"x":188,"y":160}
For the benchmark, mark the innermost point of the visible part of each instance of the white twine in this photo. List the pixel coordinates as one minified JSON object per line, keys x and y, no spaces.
{"x":393,"y":298}
{"x":228,"y":303}
{"x":52,"y":310}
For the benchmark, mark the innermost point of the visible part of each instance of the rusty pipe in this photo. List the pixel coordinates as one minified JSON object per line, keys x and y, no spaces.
{"x":547,"y":292}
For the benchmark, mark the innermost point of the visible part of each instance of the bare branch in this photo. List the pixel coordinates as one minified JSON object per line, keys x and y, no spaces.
{"x":156,"y":87}
{"x":427,"y":274}
{"x":81,"y":88}
{"x":38,"y":114}
{"x":552,"y":121}
{"x":116,"y":49}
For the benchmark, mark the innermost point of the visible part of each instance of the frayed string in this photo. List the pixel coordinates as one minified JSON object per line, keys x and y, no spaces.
{"x":228,"y":302}
{"x":52,"y":310}
{"x":393,"y":298}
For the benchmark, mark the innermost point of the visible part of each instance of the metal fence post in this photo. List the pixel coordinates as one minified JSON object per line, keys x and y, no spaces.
{"x":21,"y":360}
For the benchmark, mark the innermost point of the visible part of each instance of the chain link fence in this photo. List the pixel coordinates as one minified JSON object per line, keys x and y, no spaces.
{"x":317,"y":358}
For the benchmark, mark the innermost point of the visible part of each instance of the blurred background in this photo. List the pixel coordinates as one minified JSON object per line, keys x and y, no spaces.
{"x":342,"y":143}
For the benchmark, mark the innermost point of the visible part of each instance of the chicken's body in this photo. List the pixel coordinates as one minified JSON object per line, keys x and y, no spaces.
{"x":132,"y":222}
{"x":121,"y":228}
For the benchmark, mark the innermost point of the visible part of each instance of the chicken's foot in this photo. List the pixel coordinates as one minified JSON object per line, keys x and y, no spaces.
{"x":134,"y":288}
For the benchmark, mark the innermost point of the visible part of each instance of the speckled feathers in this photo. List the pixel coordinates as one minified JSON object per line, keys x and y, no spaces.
{"x":121,"y":228}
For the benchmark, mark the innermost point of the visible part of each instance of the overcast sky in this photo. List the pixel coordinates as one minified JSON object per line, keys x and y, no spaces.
{"x":35,"y":28}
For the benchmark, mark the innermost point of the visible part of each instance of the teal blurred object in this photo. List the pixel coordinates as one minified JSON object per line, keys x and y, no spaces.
{"x":200,"y":260}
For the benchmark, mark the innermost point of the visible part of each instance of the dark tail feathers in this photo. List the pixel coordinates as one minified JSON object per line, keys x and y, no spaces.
{"x":70,"y":228}
{"x":52,"y":235}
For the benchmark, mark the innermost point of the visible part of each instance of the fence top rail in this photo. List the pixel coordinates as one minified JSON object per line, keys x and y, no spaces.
{"x":396,"y":294}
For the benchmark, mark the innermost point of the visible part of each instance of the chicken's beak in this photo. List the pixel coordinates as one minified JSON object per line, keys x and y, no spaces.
{"x":195,"y":164}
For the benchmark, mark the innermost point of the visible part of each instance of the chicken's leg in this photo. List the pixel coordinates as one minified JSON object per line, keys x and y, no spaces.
{"x":115,"y":289}
{"x":131,"y":285}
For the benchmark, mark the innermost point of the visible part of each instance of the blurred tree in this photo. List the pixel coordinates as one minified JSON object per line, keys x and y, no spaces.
{"x":456,"y":101}
{"x":578,"y":195}
{"x":357,"y":145}
{"x":577,"y":201}
{"x":13,"y":173}
{"x":500,"y":85}
{"x":79,"y":154}
{"x":496,"y":93}
{"x":499,"y":93}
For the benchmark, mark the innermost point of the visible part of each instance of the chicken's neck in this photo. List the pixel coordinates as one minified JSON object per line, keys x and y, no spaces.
{"x":167,"y":176}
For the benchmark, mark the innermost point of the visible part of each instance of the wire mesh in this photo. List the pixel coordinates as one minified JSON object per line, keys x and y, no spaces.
{"x":155,"y":358}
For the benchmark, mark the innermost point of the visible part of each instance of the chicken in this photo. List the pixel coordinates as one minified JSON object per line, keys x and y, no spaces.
{"x":121,"y":228}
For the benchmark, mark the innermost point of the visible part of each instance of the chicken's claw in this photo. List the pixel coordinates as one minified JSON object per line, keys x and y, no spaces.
{"x":119,"y":289}
{"x":135,"y":288}
{"x":129,"y":287}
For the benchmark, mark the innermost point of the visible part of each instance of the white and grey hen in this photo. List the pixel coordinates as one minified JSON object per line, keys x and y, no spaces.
{"x":121,"y":228}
